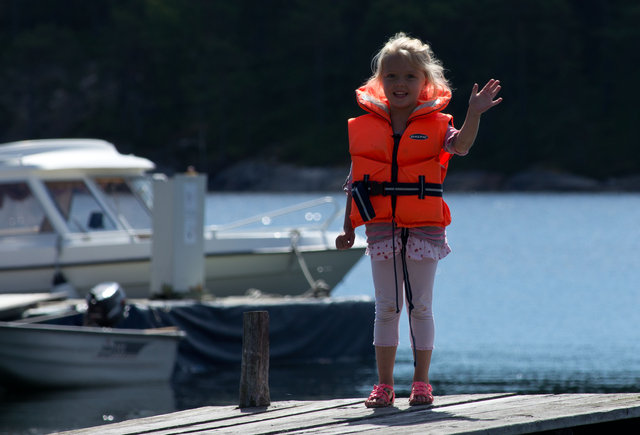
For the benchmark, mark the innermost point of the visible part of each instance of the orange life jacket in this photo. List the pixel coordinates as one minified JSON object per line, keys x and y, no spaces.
{"x":406,"y":188}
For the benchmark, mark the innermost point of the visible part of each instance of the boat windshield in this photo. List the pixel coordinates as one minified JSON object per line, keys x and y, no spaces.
{"x":79,"y":207}
{"x":20,"y":212}
{"x":124,"y":202}
{"x":142,"y":186}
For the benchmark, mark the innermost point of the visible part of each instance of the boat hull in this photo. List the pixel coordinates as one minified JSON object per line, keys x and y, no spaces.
{"x":69,"y":356}
{"x":277,"y":271}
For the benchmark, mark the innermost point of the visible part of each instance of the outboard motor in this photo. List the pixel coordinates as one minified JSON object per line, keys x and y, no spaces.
{"x":106,"y":305}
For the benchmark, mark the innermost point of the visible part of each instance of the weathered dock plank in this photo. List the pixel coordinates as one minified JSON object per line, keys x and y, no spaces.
{"x":486,"y":413}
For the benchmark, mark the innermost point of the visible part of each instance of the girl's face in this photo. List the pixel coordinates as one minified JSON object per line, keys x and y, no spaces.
{"x":401,"y":82}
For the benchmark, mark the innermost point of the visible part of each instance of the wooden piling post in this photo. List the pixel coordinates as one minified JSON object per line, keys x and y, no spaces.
{"x":254,"y":376}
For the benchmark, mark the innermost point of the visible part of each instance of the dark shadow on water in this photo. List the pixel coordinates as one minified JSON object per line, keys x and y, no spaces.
{"x":286,"y":382}
{"x":39,"y":412}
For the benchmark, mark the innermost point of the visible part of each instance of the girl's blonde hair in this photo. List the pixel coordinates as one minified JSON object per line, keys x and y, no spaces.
{"x":420,"y":55}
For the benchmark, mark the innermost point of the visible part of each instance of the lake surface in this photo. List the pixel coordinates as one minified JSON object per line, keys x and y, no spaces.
{"x":540,"y":295}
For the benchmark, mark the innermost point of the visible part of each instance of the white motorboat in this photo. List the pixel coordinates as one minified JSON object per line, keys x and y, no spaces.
{"x":77,"y":211}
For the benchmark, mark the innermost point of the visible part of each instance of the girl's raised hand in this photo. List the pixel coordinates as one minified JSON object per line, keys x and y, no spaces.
{"x":480,"y":102}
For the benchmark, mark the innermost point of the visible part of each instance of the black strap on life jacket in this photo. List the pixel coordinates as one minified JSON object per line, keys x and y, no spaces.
{"x":361,"y":191}
{"x":394,"y":171}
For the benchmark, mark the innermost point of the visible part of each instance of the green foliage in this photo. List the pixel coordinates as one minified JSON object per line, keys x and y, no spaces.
{"x":208,"y":82}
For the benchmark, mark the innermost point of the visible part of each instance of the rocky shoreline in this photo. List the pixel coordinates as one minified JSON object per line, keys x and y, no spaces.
{"x":260,"y":176}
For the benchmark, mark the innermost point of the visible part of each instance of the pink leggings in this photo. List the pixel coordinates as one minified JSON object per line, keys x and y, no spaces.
{"x":421,"y":277}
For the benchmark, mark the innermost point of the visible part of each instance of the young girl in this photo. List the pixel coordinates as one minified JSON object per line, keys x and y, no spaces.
{"x":399,"y":157}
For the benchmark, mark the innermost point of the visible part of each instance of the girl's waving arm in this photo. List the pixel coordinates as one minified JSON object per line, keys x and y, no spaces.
{"x":479,"y":102}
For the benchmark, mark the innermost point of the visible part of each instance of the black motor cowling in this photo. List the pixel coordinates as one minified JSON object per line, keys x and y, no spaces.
{"x":106,"y":305}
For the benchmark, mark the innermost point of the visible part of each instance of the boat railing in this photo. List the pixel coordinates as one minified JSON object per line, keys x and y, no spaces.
{"x":315,"y":219}
{"x":19,"y":231}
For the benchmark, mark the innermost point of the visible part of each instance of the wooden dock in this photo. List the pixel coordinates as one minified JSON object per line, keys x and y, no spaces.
{"x":478,"y":413}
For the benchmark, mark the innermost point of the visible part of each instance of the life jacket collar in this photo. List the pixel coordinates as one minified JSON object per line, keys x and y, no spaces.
{"x":372,"y":99}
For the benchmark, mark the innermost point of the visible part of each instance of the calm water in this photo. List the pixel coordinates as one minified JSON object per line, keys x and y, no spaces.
{"x":540,"y":294}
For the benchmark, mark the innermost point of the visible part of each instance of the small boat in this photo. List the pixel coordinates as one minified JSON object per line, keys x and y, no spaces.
{"x":92,"y":352}
{"x":75,"y":356}
{"x":76,"y":212}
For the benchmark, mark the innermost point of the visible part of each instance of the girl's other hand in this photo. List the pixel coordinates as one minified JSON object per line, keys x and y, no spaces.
{"x":345,"y":240}
{"x":480,"y":102}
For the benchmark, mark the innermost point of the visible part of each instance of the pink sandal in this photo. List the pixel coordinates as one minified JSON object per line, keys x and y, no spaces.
{"x":421,"y":394}
{"x":381,"y":396}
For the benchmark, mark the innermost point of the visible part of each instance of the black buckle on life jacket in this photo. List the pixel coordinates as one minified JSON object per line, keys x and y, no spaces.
{"x":362,"y":190}
{"x":376,"y":189}
{"x":360,"y":194}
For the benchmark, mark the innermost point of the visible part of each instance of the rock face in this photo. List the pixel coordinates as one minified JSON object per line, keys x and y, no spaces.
{"x":261,"y":176}
{"x":473,"y":181}
{"x":544,"y":180}
{"x":624,"y":184}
